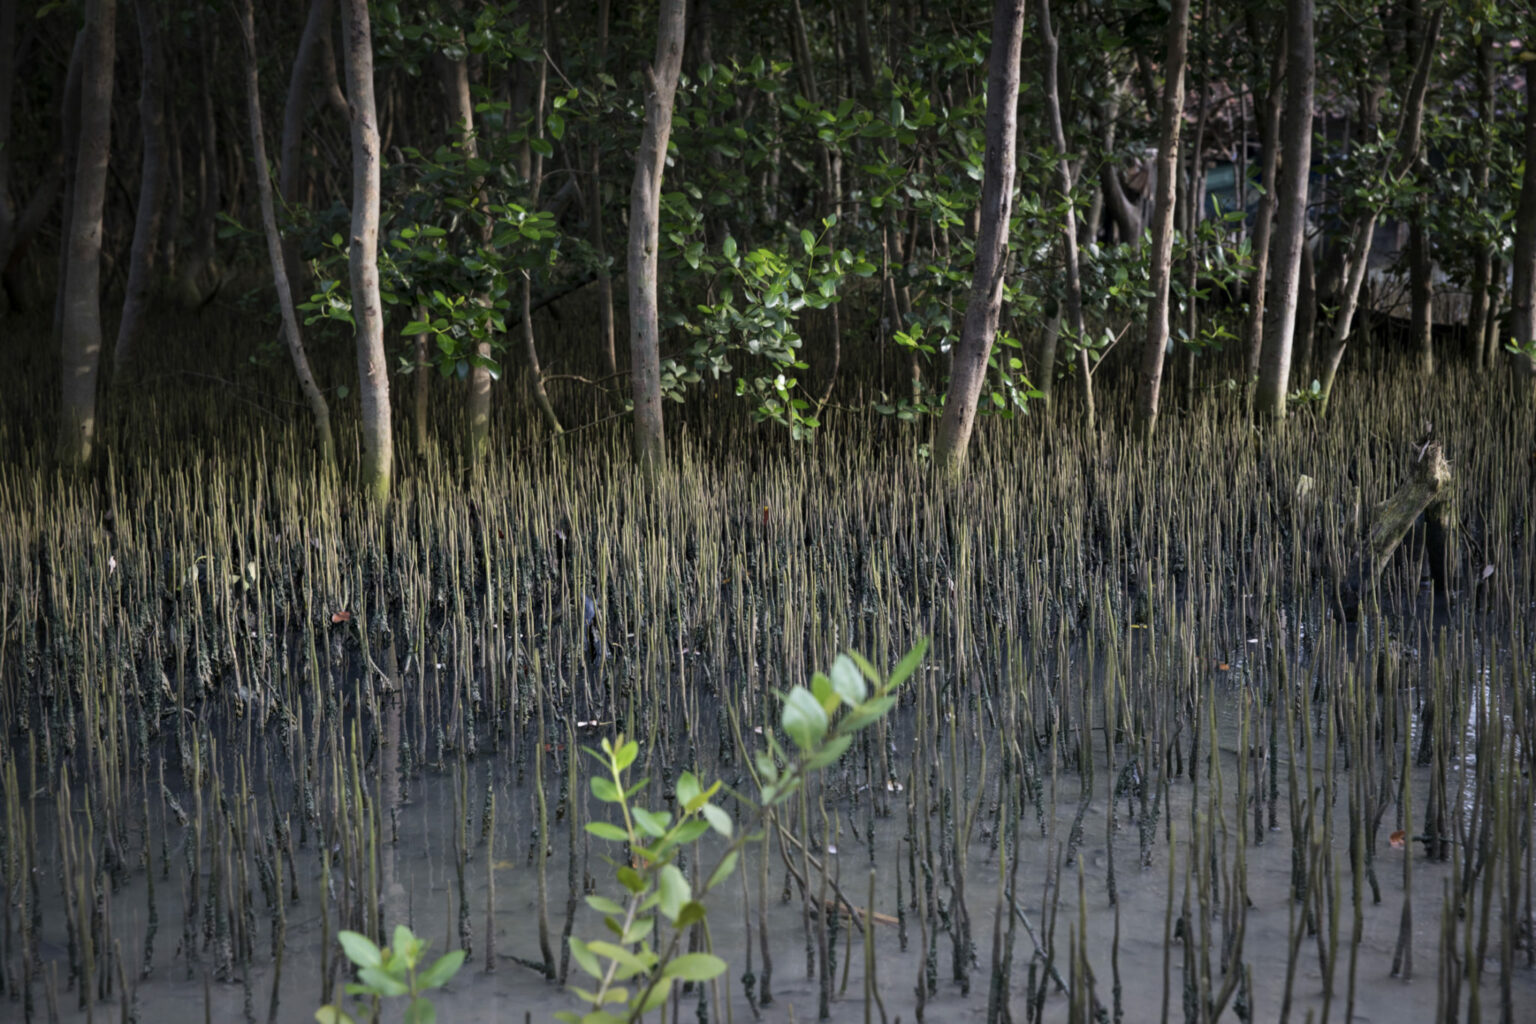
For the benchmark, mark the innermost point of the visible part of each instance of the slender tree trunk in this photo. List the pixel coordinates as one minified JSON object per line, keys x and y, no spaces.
{"x":535,"y":183}
{"x":1171,"y":113}
{"x":644,"y":234}
{"x":200,"y":273}
{"x":290,"y":175}
{"x":1479,"y":307}
{"x":1358,"y":256}
{"x":986,"y":300}
{"x":422,"y":384}
{"x":461,"y":118}
{"x":8,"y":61}
{"x":81,"y":334}
{"x":1050,"y":52}
{"x":312,"y":396}
{"x":69,"y":145}
{"x":17,"y":231}
{"x":1291,"y":225}
{"x":1306,"y":320}
{"x":367,"y":311}
{"x":142,"y":268}
{"x":1421,"y":293}
{"x":606,"y":333}
{"x":1524,"y":291}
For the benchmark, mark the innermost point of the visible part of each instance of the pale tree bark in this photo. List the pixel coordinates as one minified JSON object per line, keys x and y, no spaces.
{"x":979,"y":328}
{"x":1268,"y":116}
{"x":290,"y":174}
{"x":1291,"y":222}
{"x":1524,"y":290}
{"x":1357,"y":256}
{"x":81,"y":321}
{"x":312,"y":396}
{"x":1068,"y":224}
{"x":644,"y":234}
{"x":367,"y":310}
{"x":143,"y":265}
{"x":1169,"y":117}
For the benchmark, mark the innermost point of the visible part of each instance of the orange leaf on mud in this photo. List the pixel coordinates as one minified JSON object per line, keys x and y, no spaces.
{"x":1222,"y":666}
{"x":1398,"y":839}
{"x":341,"y":617}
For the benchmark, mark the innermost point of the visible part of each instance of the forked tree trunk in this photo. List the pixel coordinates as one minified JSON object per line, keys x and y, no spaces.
{"x":1048,"y":62}
{"x":142,"y":265}
{"x":367,"y":312}
{"x":986,"y":299}
{"x":1291,"y":218}
{"x":312,"y":396}
{"x":81,"y":320}
{"x":1358,"y":256}
{"x":1524,"y":290}
{"x":644,"y":234}
{"x":1169,"y":117}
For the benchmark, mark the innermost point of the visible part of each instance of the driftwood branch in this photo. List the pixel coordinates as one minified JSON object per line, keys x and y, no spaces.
{"x":1426,"y":492}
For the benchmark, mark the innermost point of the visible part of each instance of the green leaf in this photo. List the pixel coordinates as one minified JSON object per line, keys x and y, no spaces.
{"x":360,"y":949}
{"x":692,"y":913}
{"x":607,"y":830}
{"x":830,"y":753}
{"x":631,"y":879}
{"x":807,"y":239}
{"x":658,"y":995}
{"x":652,"y":823}
{"x":688,"y":790}
{"x":675,"y":891}
{"x":848,"y":681}
{"x":629,"y":964}
{"x":765,"y":766}
{"x":694,"y":967}
{"x":584,"y":958}
{"x":556,"y":126}
{"x":442,"y":969}
{"x":382,"y":982}
{"x":625,"y":755}
{"x":723,"y":871}
{"x":604,"y":905}
{"x":907,"y":665}
{"x":333,"y":1015}
{"x":605,"y":790}
{"x":420,"y":1012}
{"x":718,"y":819}
{"x":416,"y":327}
{"x":803,"y":718}
{"x":730,"y":248}
{"x":406,"y":945}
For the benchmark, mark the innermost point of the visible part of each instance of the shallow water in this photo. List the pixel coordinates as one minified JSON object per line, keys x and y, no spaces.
{"x":418,"y":880}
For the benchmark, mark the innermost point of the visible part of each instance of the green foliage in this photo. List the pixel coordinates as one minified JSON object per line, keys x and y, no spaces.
{"x":390,"y":973}
{"x":632,"y":970}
